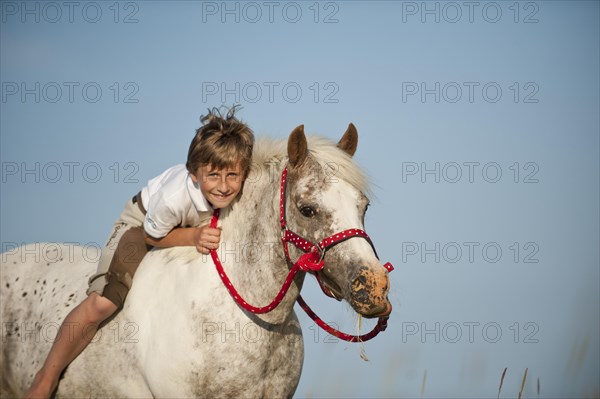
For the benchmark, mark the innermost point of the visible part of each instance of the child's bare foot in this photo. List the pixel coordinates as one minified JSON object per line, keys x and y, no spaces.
{"x":41,"y":388}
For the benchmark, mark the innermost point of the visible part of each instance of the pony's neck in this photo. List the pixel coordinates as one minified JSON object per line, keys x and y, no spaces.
{"x":251,"y":242}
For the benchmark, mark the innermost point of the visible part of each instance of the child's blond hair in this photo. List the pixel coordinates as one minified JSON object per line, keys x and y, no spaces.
{"x":221,"y":142}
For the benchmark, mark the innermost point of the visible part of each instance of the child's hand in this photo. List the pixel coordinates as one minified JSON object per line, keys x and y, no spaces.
{"x":206,"y":238}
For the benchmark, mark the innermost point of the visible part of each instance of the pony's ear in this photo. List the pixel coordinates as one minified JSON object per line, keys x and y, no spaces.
{"x":349,"y":140}
{"x":297,"y":147}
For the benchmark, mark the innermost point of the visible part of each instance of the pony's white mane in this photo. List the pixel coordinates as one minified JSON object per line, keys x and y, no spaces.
{"x":336,"y":163}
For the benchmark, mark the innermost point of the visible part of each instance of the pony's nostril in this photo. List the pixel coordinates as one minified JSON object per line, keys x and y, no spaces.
{"x":362,"y":287}
{"x":369,"y":292}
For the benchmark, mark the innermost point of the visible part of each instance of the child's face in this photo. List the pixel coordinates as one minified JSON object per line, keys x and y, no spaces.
{"x":219,"y":187}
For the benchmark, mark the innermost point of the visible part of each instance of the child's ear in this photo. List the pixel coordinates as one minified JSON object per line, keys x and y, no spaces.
{"x":195,"y":180}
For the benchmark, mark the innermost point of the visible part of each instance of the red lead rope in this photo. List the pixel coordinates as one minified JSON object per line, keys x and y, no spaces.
{"x":381,"y":325}
{"x":233,"y":291}
{"x":311,"y":261}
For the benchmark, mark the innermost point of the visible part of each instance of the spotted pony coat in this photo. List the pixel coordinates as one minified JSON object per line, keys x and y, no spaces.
{"x":180,"y":334}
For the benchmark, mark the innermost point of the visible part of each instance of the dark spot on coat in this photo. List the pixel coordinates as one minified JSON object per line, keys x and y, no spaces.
{"x":24,"y":294}
{"x":7,"y":285}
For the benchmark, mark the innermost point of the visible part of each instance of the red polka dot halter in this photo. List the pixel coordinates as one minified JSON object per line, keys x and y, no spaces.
{"x":311,"y":261}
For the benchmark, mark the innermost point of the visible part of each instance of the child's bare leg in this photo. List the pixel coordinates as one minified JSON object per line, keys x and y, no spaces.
{"x":75,"y":333}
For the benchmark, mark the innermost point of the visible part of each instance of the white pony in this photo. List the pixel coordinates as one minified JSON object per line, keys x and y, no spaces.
{"x":180,"y":333}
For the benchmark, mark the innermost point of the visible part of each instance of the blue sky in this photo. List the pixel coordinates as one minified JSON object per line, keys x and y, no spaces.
{"x":478,"y":125}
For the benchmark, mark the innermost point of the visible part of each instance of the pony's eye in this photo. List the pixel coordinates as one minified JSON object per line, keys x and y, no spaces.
{"x":308,"y":211}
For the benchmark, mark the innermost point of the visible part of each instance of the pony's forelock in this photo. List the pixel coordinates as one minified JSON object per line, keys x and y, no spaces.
{"x":338,"y":163}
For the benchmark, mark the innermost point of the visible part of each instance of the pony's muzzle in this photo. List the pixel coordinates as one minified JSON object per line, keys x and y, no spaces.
{"x":369,"y":292}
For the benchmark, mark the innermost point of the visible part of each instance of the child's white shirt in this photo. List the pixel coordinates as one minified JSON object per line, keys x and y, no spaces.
{"x":172,"y":200}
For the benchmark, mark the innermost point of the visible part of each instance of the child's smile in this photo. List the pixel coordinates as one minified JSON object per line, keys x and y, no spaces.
{"x":219,"y":187}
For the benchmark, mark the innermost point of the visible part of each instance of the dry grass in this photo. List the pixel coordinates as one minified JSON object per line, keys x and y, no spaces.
{"x":523,"y":383}
{"x":501,"y":382}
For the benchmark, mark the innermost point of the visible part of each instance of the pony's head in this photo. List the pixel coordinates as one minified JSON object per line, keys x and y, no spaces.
{"x":327,"y":194}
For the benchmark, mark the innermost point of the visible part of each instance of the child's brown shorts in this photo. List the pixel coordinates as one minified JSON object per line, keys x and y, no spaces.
{"x":121,"y":255}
